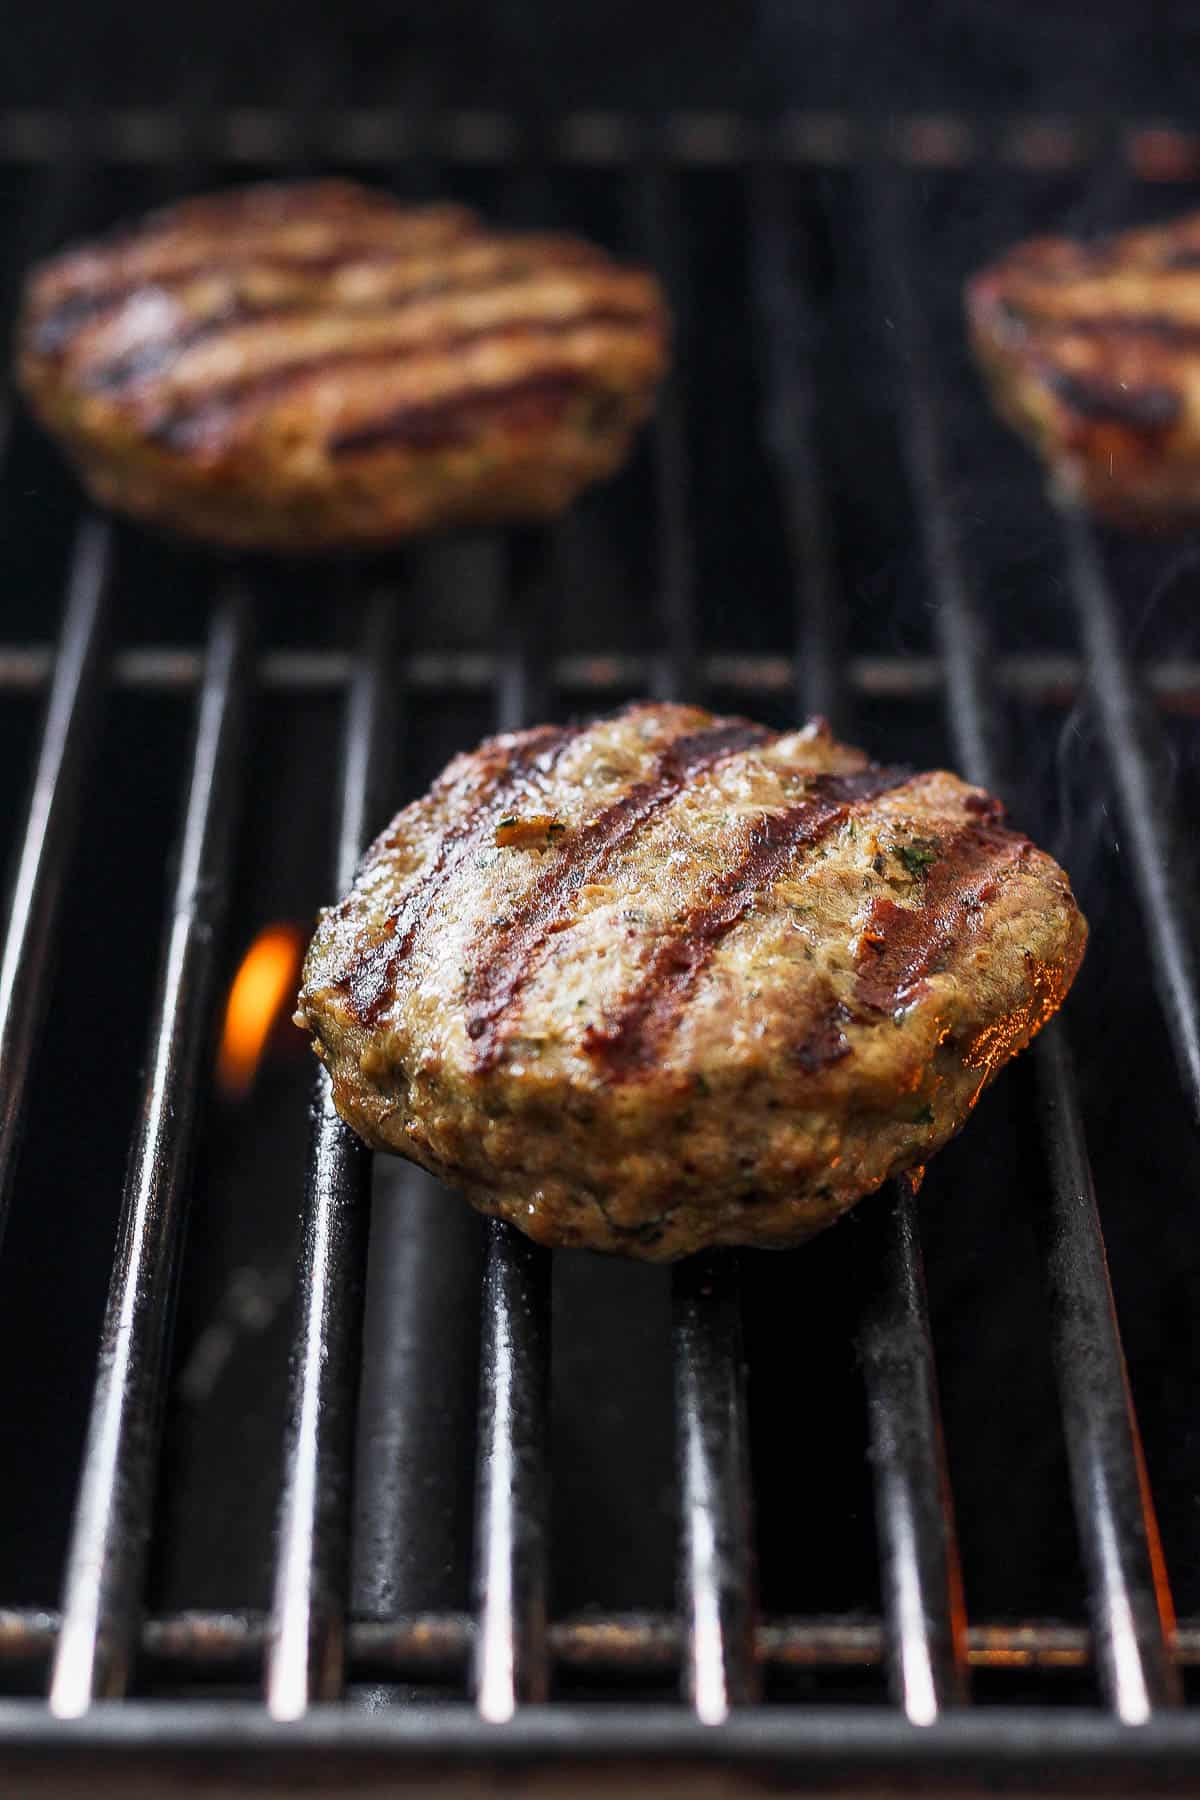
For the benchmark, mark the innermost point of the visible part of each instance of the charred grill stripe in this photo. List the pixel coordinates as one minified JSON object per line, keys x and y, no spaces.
{"x":629,"y":1041}
{"x":506,"y":964}
{"x":52,"y":331}
{"x":155,"y":355}
{"x":190,"y":424}
{"x":1013,"y":318}
{"x":1100,"y":400}
{"x":370,"y":980}
{"x":237,"y":261}
{"x":901,"y":945}
{"x":453,"y":419}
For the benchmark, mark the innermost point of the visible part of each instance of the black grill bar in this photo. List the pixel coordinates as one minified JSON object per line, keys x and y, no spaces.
{"x":716,"y":1580}
{"x":1128,"y":1599}
{"x":1048,"y":678}
{"x":659,"y":228}
{"x":113,"y":1509}
{"x":437,"y":1646}
{"x":716,"y":1556}
{"x":510,"y":1666}
{"x":787,"y":341}
{"x":306,"y":1652}
{"x":370,"y":136}
{"x":922,"y":1595}
{"x":1163,"y":873}
{"x":914,"y":1513}
{"x":50,"y":828}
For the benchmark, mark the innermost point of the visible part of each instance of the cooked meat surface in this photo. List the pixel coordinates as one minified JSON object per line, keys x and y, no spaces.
{"x":1092,"y":350}
{"x":305,"y":366}
{"x":670,"y":980}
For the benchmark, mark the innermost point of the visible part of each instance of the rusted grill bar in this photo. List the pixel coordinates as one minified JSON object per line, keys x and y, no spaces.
{"x":114,"y":1508}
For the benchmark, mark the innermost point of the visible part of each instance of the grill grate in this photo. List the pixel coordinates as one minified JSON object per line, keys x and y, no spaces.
{"x":510,"y":1655}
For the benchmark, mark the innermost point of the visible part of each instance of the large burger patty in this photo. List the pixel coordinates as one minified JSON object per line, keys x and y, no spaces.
{"x":1092,"y":351}
{"x":669,"y":980}
{"x":304,"y":366}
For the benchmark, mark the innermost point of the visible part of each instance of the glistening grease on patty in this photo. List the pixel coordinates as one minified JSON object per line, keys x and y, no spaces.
{"x":307,"y":366}
{"x":669,"y":980}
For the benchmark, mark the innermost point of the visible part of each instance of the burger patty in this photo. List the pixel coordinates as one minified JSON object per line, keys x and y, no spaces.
{"x":670,"y":980}
{"x":1092,"y":350}
{"x":305,"y":366}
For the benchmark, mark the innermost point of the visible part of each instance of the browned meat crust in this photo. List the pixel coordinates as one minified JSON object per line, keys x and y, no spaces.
{"x":670,"y":980}
{"x":1092,"y":350}
{"x":300,"y":367}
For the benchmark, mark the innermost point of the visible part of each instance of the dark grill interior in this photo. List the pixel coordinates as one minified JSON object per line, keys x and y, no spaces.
{"x":727,"y":1486}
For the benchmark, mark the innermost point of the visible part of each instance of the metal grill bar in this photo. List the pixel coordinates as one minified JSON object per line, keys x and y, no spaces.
{"x":49,"y":836}
{"x":1112,"y":1506}
{"x":306,"y":1653}
{"x":113,"y":1510}
{"x":1045,"y":678}
{"x":803,"y":1748}
{"x":921,"y":1586}
{"x":437,"y":1646}
{"x":1162,"y":872}
{"x":787,"y":344}
{"x":918,"y":1552}
{"x":1155,"y":149}
{"x":1130,"y":1599}
{"x":717,"y":1564}
{"x":659,"y":228}
{"x":716,"y":1570}
{"x":510,"y":1667}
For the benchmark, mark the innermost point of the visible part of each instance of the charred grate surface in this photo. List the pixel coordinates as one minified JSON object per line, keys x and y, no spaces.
{"x":812,"y":276}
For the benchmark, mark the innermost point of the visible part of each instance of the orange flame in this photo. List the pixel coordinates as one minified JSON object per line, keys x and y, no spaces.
{"x":265,"y":983}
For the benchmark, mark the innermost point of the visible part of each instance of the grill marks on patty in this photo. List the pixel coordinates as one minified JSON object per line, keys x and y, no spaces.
{"x":314,"y":366}
{"x":300,"y":235}
{"x":189,"y":423}
{"x":506,"y":963}
{"x":394,"y":289}
{"x":901,"y":946}
{"x":520,"y":763}
{"x":630,"y":1038}
{"x":248,"y":324}
{"x":1094,"y":350}
{"x":666,"y":1006}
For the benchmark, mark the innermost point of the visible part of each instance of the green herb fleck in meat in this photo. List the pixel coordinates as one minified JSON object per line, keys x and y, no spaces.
{"x":918,"y":855}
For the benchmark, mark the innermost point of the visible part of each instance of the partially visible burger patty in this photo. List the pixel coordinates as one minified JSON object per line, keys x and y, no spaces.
{"x":310,"y":365}
{"x":670,"y":980}
{"x":1092,"y":350}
